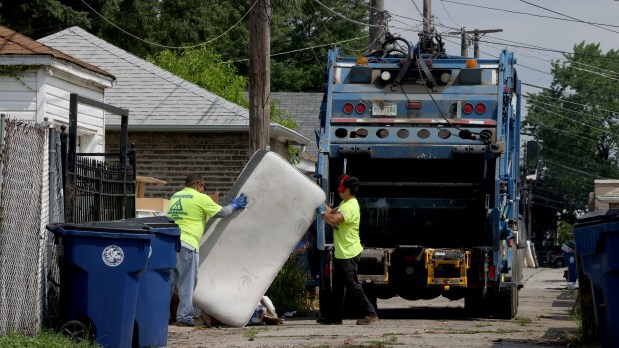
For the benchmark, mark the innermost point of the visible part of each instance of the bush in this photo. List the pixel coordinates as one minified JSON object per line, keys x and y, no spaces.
{"x":288,"y":292}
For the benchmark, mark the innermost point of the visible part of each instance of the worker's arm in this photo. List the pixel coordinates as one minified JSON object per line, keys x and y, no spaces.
{"x":331,"y":215}
{"x":238,"y":203}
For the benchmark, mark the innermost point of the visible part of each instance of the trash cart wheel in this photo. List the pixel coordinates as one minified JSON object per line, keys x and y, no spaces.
{"x":75,"y":329}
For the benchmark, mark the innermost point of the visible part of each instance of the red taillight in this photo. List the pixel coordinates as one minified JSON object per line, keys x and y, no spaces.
{"x":413,"y":105}
{"x":348,"y":108}
{"x":467,"y":108}
{"x":409,"y":258}
{"x":428,"y":63}
{"x":326,"y":271}
{"x":360,"y":108}
{"x":480,"y":108}
{"x":491,"y":272}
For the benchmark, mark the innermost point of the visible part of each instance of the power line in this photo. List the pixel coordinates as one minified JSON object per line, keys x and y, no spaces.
{"x":308,"y":48}
{"x":529,"y":14}
{"x":346,"y":18}
{"x":564,"y":15}
{"x":172,"y":47}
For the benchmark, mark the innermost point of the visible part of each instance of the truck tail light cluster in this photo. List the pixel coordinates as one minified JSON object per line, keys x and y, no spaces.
{"x":413,"y":105}
{"x":491,"y":267}
{"x":479,"y":109}
{"x":360,"y":108}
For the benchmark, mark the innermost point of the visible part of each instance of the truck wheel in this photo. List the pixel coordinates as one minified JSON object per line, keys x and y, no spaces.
{"x":506,"y":304}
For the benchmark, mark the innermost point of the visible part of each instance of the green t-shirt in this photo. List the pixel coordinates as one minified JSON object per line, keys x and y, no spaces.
{"x":347,"y":241}
{"x":190,"y":209}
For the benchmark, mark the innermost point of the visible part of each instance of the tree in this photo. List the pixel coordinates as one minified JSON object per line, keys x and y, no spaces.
{"x":37,"y":18}
{"x":205,"y":68}
{"x":302,"y":30}
{"x":577,"y":122}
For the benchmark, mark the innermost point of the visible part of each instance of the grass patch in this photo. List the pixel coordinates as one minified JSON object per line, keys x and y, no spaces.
{"x":482,"y":325}
{"x":522,"y":321}
{"x":44,"y":339}
{"x":251,"y":333}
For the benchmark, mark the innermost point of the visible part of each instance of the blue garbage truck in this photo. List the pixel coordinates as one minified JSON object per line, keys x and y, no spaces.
{"x":434,"y":140}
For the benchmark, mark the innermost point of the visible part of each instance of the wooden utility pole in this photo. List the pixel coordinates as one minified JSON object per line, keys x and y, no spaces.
{"x":476,"y":35}
{"x":259,"y":76}
{"x":427,"y":27}
{"x":464,"y":41}
{"x":377,"y":17}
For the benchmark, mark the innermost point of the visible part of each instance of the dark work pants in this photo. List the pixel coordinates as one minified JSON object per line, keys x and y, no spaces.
{"x":345,"y":283}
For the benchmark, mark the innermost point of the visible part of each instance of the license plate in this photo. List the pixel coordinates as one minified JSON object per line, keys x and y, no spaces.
{"x":384,"y":109}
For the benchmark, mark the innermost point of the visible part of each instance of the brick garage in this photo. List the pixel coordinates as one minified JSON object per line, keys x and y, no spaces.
{"x":170,"y":156}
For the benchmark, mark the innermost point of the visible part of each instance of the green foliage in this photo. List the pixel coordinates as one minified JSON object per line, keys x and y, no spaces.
{"x":38,"y":18}
{"x":44,"y":339}
{"x":564,"y":232}
{"x":288,"y":292}
{"x":577,"y":124}
{"x":300,"y":29}
{"x":203,"y":67}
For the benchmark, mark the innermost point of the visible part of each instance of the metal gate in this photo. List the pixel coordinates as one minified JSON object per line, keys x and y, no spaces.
{"x":97,"y":190}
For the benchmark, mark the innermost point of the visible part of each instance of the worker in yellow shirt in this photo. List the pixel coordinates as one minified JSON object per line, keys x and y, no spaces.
{"x":345,"y":220}
{"x":190,"y":208}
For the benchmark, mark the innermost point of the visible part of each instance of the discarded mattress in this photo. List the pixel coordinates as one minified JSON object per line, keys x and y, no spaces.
{"x":240,"y":255}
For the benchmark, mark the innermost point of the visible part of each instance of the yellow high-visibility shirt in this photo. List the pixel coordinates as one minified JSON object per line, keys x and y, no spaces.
{"x":190,"y":209}
{"x":346,"y":236}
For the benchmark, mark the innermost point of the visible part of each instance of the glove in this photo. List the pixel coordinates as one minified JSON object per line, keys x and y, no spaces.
{"x":321,"y":209}
{"x":239,"y":202}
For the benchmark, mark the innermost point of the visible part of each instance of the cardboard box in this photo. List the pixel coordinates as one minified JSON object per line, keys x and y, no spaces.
{"x":156,"y":204}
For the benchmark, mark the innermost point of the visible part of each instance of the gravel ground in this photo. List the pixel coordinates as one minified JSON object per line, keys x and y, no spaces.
{"x":543,"y":319}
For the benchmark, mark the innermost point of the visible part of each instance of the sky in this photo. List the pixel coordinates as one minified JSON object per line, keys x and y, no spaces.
{"x":528,"y":24}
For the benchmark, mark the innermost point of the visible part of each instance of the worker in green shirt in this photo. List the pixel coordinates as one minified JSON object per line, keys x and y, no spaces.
{"x":345,"y":220}
{"x":190,"y":208}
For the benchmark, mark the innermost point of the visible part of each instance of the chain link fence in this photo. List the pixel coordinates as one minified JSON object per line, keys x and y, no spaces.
{"x":23,"y":216}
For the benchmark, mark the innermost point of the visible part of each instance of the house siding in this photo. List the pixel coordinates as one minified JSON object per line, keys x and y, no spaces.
{"x":90,"y":121}
{"x":18,"y":97}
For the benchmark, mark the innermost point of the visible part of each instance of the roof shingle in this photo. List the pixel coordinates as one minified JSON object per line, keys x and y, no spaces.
{"x":14,"y":43}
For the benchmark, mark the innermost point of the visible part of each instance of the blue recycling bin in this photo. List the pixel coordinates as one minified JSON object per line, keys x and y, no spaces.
{"x":100,"y":266}
{"x":570,"y":261}
{"x":597,"y":243}
{"x":155,"y":285}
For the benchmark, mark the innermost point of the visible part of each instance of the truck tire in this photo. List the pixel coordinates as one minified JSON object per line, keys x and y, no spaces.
{"x":506,"y":303}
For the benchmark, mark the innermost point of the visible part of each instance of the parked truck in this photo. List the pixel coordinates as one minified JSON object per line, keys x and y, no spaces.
{"x":434,"y":140}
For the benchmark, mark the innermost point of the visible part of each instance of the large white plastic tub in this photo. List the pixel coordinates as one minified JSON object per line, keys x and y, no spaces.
{"x":240,"y":255}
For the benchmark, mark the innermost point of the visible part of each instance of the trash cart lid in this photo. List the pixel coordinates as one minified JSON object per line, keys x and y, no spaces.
{"x":598,"y":217}
{"x":159,"y":224}
{"x":100,"y":227}
{"x":592,"y":226}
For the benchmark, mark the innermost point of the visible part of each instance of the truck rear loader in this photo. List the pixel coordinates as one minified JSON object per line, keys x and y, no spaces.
{"x":434,"y":140}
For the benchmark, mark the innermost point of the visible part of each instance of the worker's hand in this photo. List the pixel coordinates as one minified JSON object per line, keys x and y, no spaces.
{"x":239,"y":202}
{"x":321,"y":209}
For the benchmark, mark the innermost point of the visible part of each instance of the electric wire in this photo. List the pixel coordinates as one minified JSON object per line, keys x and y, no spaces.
{"x":564,"y":15}
{"x":346,"y":18}
{"x":528,"y":14}
{"x":172,"y":47}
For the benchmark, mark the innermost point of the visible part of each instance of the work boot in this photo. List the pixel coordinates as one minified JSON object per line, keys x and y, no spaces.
{"x":367,"y":320}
